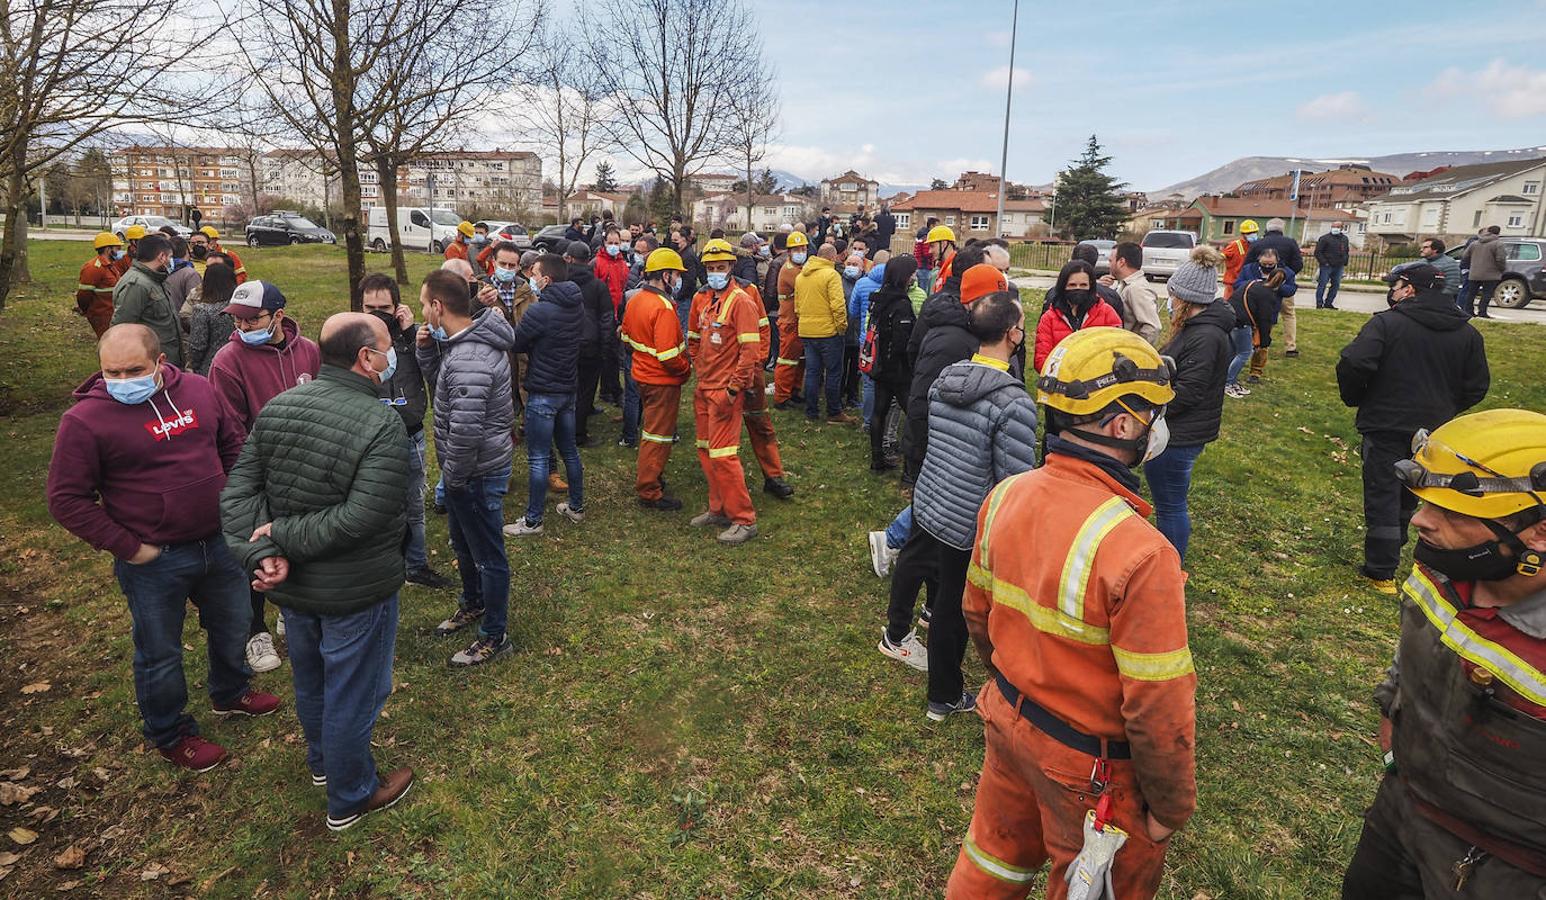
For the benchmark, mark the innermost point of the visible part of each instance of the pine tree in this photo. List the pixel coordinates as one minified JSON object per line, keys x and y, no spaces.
{"x":938,"y":184}
{"x":765,"y":183}
{"x":606,"y":179}
{"x":1087,"y":201}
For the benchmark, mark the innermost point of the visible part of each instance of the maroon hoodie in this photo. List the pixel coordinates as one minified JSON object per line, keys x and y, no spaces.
{"x":149,"y":473}
{"x":249,"y":377}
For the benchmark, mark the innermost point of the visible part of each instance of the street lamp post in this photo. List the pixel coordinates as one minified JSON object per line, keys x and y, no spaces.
{"x":1009,"y":93}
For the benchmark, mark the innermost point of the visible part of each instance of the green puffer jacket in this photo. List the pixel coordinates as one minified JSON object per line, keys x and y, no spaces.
{"x":140,"y":298}
{"x":327,"y":463}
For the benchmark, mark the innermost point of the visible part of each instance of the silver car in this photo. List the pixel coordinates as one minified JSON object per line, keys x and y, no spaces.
{"x":1164,"y":251}
{"x":1103,"y":254}
{"x":150,"y":223}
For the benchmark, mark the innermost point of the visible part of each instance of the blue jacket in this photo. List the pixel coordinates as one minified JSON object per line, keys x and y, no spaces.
{"x":1252,"y":272}
{"x":859,"y":300}
{"x":550,"y":335}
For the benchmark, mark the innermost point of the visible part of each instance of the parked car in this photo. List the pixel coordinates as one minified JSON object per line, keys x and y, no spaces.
{"x":284,"y":227}
{"x":550,"y":239}
{"x":151,"y":223}
{"x":502,"y":232}
{"x":1524,"y":276}
{"x":418,"y":227}
{"x":1163,"y":251}
{"x":1103,"y":250}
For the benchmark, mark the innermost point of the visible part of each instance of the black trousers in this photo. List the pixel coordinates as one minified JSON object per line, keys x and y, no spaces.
{"x":1484,"y":291}
{"x":1387,"y":504}
{"x":850,"y":375}
{"x":611,"y":378}
{"x":886,"y":392}
{"x":916,"y":566}
{"x":915,"y":439}
{"x":258,"y":625}
{"x":585,"y":395}
{"x":947,"y":627}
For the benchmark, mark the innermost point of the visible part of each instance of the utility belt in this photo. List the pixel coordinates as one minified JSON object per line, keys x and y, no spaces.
{"x":1059,"y":730}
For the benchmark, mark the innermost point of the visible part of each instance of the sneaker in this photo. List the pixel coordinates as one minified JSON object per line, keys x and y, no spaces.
{"x":557,"y":484}
{"x":393,"y":787}
{"x":318,"y":780}
{"x":908,"y":650}
{"x":255,"y":704}
{"x":710,"y":520}
{"x":926,"y":618}
{"x":778,"y":487}
{"x":481,"y":651}
{"x":882,"y":464}
{"x":841,"y":418}
{"x":1386,"y":586}
{"x":440,"y":509}
{"x":737,"y":534}
{"x":624,"y":442}
{"x":459,"y":620}
{"x":261,"y":656}
{"x":881,"y":554}
{"x":661,"y":504}
{"x":570,"y":513}
{"x":1291,"y":354}
{"x":1254,"y":379}
{"x":428,"y":578}
{"x":193,"y":753}
{"x":939,"y":712}
{"x":520,"y":527}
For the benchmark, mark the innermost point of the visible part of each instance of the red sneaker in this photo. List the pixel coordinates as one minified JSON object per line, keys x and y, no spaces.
{"x":194,"y":753}
{"x":252,"y":703}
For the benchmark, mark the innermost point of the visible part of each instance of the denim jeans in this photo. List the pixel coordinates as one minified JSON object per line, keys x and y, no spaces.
{"x":416,"y":551}
{"x":341,"y":667}
{"x":475,"y":516}
{"x":158,"y":591}
{"x":1240,"y":342}
{"x":633,"y":407}
{"x":900,"y":528}
{"x":926,"y":280}
{"x":867,"y":401}
{"x":550,"y":419}
{"x":823,"y":362}
{"x":1332,"y":274}
{"x":1170,"y":479}
{"x":440,"y":491}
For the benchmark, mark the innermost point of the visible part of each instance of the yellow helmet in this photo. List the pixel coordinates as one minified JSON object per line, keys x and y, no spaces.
{"x":210,"y":232}
{"x":1091,"y":369}
{"x":717,"y":250}
{"x":105,"y":239}
{"x":797,"y":239}
{"x":1488,"y":465}
{"x":1249,"y":226}
{"x":664,"y":258}
{"x":134,"y":232}
{"x":465,"y":228}
{"x":940,"y":233}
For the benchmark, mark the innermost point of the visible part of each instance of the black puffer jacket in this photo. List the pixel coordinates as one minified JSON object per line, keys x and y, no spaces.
{"x":1417,"y":365}
{"x":407,"y":382}
{"x":1202,"y":353}
{"x":549,"y":334}
{"x":891,"y":314}
{"x":596,"y":303}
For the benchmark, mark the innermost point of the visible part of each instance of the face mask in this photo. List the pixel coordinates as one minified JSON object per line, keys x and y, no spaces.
{"x":200,"y":251}
{"x":256,"y":338}
{"x":718,"y":280}
{"x":438,"y":333}
{"x":797,"y":258}
{"x":1336,"y":231}
{"x":764,"y":252}
{"x":1079,"y":299}
{"x":614,"y":249}
{"x":117,"y":255}
{"x":505,"y":275}
{"x":1482,"y":562}
{"x":386,"y":374}
{"x":851,"y":272}
{"x":1252,"y":238}
{"x":480,"y":239}
{"x":131,"y":391}
{"x":1159,"y":439}
{"x":1268,"y":267}
{"x":542,"y":285}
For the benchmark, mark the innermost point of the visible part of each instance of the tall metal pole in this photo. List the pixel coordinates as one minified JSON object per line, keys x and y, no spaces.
{"x":1009,"y":94}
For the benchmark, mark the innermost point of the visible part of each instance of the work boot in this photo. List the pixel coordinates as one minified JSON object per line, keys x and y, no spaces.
{"x":738,"y":534}
{"x":881,"y":464}
{"x":429,"y":578}
{"x":710,"y":519}
{"x":778,"y":487}
{"x":393,"y":787}
{"x":661,"y":504}
{"x":841,"y":418}
{"x":557,"y":484}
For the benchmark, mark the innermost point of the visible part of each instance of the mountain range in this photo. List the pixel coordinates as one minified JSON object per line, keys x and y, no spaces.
{"x":1249,"y":168}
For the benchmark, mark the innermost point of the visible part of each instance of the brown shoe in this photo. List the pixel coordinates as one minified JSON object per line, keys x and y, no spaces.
{"x":393,"y":787}
{"x":557,"y":484}
{"x":842,"y":418}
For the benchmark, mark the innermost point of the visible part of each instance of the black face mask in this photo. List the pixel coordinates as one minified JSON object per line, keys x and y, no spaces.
{"x":1079,"y":299}
{"x":1481,"y":562}
{"x":199,"y":251}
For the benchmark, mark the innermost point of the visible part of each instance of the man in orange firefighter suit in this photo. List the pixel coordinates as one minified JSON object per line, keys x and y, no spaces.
{"x":1235,"y":252}
{"x":759,"y":425}
{"x":94,"y":289}
{"x":1463,"y":705}
{"x":724,"y":342}
{"x":1090,"y":703}
{"x":132,"y":237}
{"x":653,"y":334}
{"x":942,"y":243}
{"x":212,"y":242}
{"x":789,"y":367}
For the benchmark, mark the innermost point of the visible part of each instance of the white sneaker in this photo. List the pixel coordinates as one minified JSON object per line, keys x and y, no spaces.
{"x":909,"y":650}
{"x":570,"y":513}
{"x":881,"y":555}
{"x":279,"y":626}
{"x":520,"y":528}
{"x":261,"y":656}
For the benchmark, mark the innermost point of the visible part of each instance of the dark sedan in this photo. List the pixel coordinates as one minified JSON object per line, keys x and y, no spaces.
{"x":286,"y":228}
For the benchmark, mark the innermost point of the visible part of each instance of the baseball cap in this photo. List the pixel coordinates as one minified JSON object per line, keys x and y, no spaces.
{"x":980,"y":281}
{"x":1421,"y":276}
{"x":254,"y":298}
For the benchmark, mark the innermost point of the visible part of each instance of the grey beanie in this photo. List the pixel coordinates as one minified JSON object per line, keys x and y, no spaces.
{"x":750,"y":239}
{"x":529,"y":258}
{"x":1197,"y":279}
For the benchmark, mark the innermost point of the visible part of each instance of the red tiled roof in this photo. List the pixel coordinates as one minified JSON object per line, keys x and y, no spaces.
{"x":966,"y":202}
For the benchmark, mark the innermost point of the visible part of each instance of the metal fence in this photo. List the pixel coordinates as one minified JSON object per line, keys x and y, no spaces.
{"x":1363,"y":264}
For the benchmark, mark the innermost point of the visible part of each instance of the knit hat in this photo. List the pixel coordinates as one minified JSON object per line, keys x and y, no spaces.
{"x":750,"y":239}
{"x":1197,"y":279}
{"x":980,"y":281}
{"x":529,"y":258}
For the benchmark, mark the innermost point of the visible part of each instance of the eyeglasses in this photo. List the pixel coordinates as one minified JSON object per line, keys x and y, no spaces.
{"x":1415,"y":475}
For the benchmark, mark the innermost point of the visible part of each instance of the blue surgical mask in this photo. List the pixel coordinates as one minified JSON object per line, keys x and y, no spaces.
{"x":764,"y":251}
{"x":1252,"y":238}
{"x":132,"y":391}
{"x":797,"y":258}
{"x":438,"y":333}
{"x":614,"y":249}
{"x":851,"y":272}
{"x":505,"y":275}
{"x":117,"y":254}
{"x":719,"y":280}
{"x":386,"y":374}
{"x":256,"y":338}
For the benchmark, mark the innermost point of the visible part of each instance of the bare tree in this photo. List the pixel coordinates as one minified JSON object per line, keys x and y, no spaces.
{"x":755,"y":114}
{"x":564,"y":99}
{"x":681,"y":63}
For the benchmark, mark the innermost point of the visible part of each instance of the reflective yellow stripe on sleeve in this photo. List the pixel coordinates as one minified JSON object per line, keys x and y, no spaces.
{"x":762,"y":322}
{"x":789,"y":362}
{"x":1153,"y":666}
{"x":673,"y":353}
{"x":1525,"y":679}
{"x":693,"y":335}
{"x":752,"y":338}
{"x":93,"y":289}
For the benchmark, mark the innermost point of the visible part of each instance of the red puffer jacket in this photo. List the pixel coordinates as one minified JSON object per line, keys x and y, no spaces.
{"x":1054,"y":326}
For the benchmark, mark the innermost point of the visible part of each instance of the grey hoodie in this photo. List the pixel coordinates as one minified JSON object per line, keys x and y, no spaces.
{"x":473,"y":411}
{"x":982,"y":429}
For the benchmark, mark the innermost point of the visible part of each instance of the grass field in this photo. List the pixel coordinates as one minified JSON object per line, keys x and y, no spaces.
{"x":682,"y":719}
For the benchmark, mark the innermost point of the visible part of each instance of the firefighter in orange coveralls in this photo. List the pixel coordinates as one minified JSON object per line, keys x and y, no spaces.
{"x":660,"y":365}
{"x":212,"y":236}
{"x":789,"y":368}
{"x":1089,"y":707}
{"x":725,"y":343}
{"x":94,"y":289}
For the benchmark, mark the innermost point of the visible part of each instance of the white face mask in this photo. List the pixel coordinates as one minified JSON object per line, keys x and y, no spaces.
{"x":1159,"y":439}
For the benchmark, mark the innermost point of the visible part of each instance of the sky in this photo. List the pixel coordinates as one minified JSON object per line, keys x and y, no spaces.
{"x":906,"y":91}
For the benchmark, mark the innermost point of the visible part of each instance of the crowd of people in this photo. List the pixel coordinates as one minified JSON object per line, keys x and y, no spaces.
{"x":224,"y":458}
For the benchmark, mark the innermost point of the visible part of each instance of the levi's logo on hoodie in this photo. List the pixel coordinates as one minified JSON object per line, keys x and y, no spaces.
{"x":163,"y":429}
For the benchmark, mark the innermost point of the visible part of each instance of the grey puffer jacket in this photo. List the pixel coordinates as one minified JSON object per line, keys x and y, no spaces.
{"x":982,"y":429}
{"x":471,"y":375}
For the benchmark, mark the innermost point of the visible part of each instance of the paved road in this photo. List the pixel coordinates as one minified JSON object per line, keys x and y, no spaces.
{"x":1359,"y":299}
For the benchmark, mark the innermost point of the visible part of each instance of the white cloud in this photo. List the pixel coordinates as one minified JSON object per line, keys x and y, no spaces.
{"x":1001,"y":38}
{"x":1513,"y":92}
{"x":997,"y":78}
{"x":1340,"y":106}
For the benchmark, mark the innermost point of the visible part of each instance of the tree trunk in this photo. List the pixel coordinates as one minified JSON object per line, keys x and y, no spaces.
{"x":678,"y":187}
{"x":13,"y":249}
{"x":343,"y":86}
{"x":749,"y":192}
{"x":386,"y":172}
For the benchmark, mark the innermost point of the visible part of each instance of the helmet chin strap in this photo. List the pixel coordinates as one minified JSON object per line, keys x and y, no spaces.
{"x":1530,"y":562}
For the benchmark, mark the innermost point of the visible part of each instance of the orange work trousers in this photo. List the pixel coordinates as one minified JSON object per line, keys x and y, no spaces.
{"x":759,"y":426}
{"x":717,"y":417}
{"x":100,"y":315}
{"x":657,"y":432}
{"x":1031,"y":802}
{"x":789,"y":367}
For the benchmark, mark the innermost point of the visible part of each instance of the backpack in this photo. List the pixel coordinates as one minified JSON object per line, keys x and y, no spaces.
{"x":867,"y":348}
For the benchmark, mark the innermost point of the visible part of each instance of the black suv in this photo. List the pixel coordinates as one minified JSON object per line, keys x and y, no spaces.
{"x":286,"y":228}
{"x":1524,"y":274}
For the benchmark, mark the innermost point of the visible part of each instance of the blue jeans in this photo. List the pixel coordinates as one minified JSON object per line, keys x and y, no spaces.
{"x":341,"y":667}
{"x":475,"y":516}
{"x":1240,"y":342}
{"x":440,"y":491}
{"x":900,"y":528}
{"x":550,"y":418}
{"x":158,"y":593}
{"x":683,"y":310}
{"x":633,"y":407}
{"x":823,"y":361}
{"x":926,"y":280}
{"x":1332,"y":274}
{"x":416,"y":551}
{"x":867,"y":401}
{"x":1170,"y":480}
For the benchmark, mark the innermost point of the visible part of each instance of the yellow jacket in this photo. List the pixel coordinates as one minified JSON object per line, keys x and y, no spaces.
{"x":818,"y":300}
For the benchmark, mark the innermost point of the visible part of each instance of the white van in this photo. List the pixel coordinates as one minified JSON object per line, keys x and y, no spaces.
{"x":1164,"y":251}
{"x":418,"y":227}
